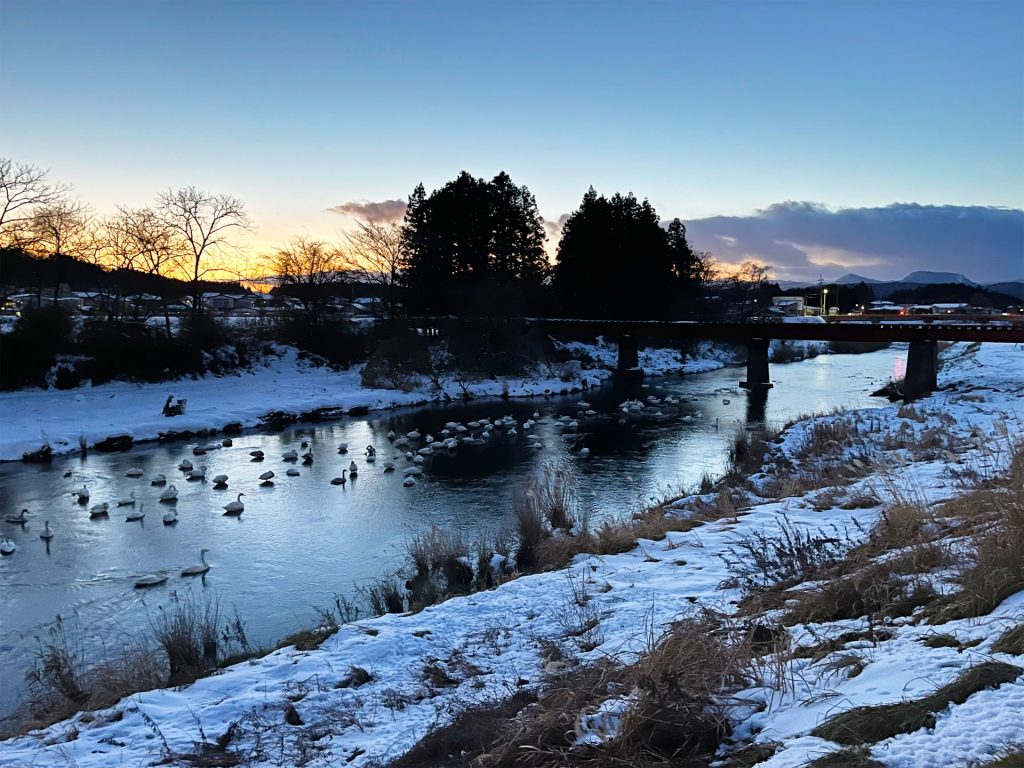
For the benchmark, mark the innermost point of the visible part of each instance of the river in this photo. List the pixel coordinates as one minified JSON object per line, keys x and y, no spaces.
{"x":303,"y":540}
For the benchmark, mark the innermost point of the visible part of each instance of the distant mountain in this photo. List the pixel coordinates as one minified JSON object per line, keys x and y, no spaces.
{"x":1013,"y":288}
{"x":924,"y":277}
{"x":851,"y":279}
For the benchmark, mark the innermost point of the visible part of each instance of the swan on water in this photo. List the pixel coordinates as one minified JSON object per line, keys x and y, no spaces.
{"x":151,"y":580}
{"x":134,"y":515}
{"x":414,"y":435}
{"x":389,"y":465}
{"x":21,"y":518}
{"x":430,"y":439}
{"x":171,"y":518}
{"x":409,"y":481}
{"x":82,"y":494}
{"x":418,"y":459}
{"x":257,"y":454}
{"x":197,"y":474}
{"x":267,"y":478}
{"x":409,"y":471}
{"x":293,"y":472}
{"x":235,"y":507}
{"x":584,"y":452}
{"x":307,"y":458}
{"x":68,"y":473}
{"x":7,"y":547}
{"x":340,"y":480}
{"x":185,"y":466}
{"x":227,"y":442}
{"x":427,"y":451}
{"x":291,"y":455}
{"x":99,"y":510}
{"x":342,"y":447}
{"x":726,"y":401}
{"x":352,"y":468}
{"x":220,"y":480}
{"x":129,"y":501}
{"x":158,"y":480}
{"x":199,"y":450}
{"x":371,"y":451}
{"x":47,"y":533}
{"x":304,"y":444}
{"x":169,"y":494}
{"x":391,"y":434}
{"x":134,"y":472}
{"x":201,"y":568}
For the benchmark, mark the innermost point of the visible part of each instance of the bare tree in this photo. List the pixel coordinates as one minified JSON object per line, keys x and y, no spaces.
{"x":204,"y":222}
{"x":313,"y":269}
{"x":60,"y":230}
{"x":377,"y":256}
{"x":23,"y":187}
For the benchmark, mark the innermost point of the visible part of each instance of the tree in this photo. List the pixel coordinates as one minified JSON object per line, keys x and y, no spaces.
{"x":60,"y":231}
{"x":22,"y":189}
{"x":472,"y":245}
{"x":312,"y":269}
{"x":204,"y":222}
{"x":377,"y":256}
{"x":614,"y":260}
{"x":744,"y":291}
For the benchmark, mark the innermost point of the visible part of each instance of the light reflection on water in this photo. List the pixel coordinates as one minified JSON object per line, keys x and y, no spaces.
{"x":303,"y":540}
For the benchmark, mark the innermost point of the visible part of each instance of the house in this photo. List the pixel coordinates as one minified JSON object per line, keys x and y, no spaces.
{"x":227,"y":301}
{"x":788,"y":305}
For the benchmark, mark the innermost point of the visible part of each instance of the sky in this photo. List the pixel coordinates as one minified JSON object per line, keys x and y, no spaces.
{"x":778,"y":131}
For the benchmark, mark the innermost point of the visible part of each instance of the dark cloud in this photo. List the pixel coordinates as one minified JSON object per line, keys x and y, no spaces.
{"x":802,"y":240}
{"x":386,"y":210}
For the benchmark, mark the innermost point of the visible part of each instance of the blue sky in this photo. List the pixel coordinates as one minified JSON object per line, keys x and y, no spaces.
{"x":712,"y":110}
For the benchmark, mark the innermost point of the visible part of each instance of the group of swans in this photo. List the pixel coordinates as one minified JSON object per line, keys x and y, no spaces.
{"x":21,"y":518}
{"x":161,"y":577}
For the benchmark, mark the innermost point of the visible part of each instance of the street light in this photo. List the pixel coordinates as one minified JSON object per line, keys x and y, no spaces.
{"x":824,"y":301}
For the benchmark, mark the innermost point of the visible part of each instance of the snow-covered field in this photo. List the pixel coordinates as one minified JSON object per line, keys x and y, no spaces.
{"x":491,"y":644}
{"x":63,"y":419}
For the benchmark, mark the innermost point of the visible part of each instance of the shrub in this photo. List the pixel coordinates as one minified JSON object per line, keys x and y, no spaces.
{"x":30,"y":349}
{"x":188,"y":631}
{"x":397,"y":362}
{"x":333,"y":340}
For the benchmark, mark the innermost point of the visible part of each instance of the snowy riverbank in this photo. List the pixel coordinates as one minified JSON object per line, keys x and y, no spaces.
{"x":66,"y":419}
{"x":490,"y":644}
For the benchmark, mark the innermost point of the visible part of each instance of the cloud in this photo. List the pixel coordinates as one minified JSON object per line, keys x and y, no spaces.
{"x":386,"y":210}
{"x":801,"y":240}
{"x":554,"y":228}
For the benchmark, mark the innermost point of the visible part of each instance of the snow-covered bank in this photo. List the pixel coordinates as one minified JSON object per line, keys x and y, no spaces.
{"x":493,"y":643}
{"x":66,"y":419}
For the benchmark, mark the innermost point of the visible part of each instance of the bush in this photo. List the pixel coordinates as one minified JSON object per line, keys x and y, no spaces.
{"x":333,"y":340}
{"x":397,"y":362}
{"x":29,"y":350}
{"x":188,"y":632}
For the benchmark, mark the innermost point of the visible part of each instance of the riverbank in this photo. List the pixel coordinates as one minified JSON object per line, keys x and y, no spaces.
{"x":281,"y":388}
{"x":845,"y":473}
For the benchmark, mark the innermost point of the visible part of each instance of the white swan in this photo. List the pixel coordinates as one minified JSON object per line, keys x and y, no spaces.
{"x":342,"y":447}
{"x":169,"y":494}
{"x":151,"y":580}
{"x":21,"y":518}
{"x":389,"y":465}
{"x":220,"y":480}
{"x":134,"y":472}
{"x":235,"y":507}
{"x":371,"y":451}
{"x":418,"y":459}
{"x":47,"y":533}
{"x":291,"y":455}
{"x":409,"y":471}
{"x":197,"y":474}
{"x":134,"y":515}
{"x":257,"y":454}
{"x":267,"y":478}
{"x":353,"y":469}
{"x":171,"y":518}
{"x":340,"y":480}
{"x":391,"y":434}
{"x":409,"y":481}
{"x":584,"y":452}
{"x":198,"y":570}
{"x":82,"y":494}
{"x":293,"y":472}
{"x":99,"y":510}
{"x":158,"y":480}
{"x":129,"y":501}
{"x":185,"y":466}
{"x":414,"y":435}
{"x":7,"y":547}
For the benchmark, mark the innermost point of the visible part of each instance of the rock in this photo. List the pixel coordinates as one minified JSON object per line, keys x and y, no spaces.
{"x":43,"y":456}
{"x":114,"y":443}
{"x":291,"y":715}
{"x":232,"y":428}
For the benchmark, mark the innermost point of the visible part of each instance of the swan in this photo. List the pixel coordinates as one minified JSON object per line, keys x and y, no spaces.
{"x":227,"y":442}
{"x":409,"y":481}
{"x":291,"y":455}
{"x":584,"y":452}
{"x":220,"y":480}
{"x":82,"y":494}
{"x":137,"y":514}
{"x":171,"y":518}
{"x":198,"y":570}
{"x":409,"y":471}
{"x":401,"y":442}
{"x":307,"y":458}
{"x":21,"y":518}
{"x":389,"y":466}
{"x":726,"y":401}
{"x":127,"y":502}
{"x":340,"y":480}
{"x":342,"y":447}
{"x":158,"y":480}
{"x":537,"y":446}
{"x":68,"y":473}
{"x":197,"y":474}
{"x":185,"y":466}
{"x":391,"y":434}
{"x":418,"y":460}
{"x":293,"y":472}
{"x":170,"y":494}
{"x":47,"y":533}
{"x":199,"y":450}
{"x":257,"y":454}
{"x":353,"y":469}
{"x":304,"y":444}
{"x":371,"y":451}
{"x":134,"y":472}
{"x":430,"y":439}
{"x":427,"y":451}
{"x":414,"y":435}
{"x":151,"y":580}
{"x":99,"y":510}
{"x":267,"y":478}
{"x":7,"y":547}
{"x":235,"y":507}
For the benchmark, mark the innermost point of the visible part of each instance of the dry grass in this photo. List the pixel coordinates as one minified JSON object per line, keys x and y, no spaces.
{"x":188,"y":632}
{"x":1011,"y":641}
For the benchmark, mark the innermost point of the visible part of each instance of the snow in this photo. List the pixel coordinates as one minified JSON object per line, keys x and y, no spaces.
{"x":492,"y":643}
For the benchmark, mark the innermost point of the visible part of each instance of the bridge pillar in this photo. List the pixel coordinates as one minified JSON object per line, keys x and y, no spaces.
{"x":757,"y":365}
{"x":922,"y":369}
{"x":628,"y":365}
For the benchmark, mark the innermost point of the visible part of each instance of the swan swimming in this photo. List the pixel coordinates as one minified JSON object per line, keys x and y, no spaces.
{"x":342,"y":447}
{"x":307,"y":458}
{"x":171,"y":518}
{"x":340,"y":480}
{"x":198,"y":570}
{"x":7,"y":547}
{"x":235,"y":507}
{"x":47,"y":533}
{"x":197,"y":474}
{"x":158,"y":480}
{"x":293,"y":472}
{"x":82,"y":494}
{"x":21,"y":518}
{"x":291,"y":455}
{"x":389,"y":466}
{"x":267,"y":478}
{"x":220,"y":480}
{"x":99,"y":510}
{"x":353,"y":470}
{"x":129,"y":501}
{"x":185,"y":466}
{"x":137,"y":514}
{"x":169,"y":494}
{"x":409,"y":481}
{"x":136,"y":472}
{"x":151,"y":580}
{"x":257,"y":454}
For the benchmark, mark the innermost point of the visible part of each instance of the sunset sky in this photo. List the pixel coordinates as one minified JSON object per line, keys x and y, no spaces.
{"x":721,"y":113}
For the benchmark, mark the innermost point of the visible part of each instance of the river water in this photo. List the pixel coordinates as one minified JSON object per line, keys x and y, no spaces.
{"x":303,"y":540}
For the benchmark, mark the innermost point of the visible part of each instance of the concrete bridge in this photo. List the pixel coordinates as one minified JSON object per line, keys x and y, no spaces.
{"x":923,"y":336}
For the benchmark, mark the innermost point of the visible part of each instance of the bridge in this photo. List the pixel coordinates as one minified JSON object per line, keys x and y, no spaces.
{"x":922,"y":333}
